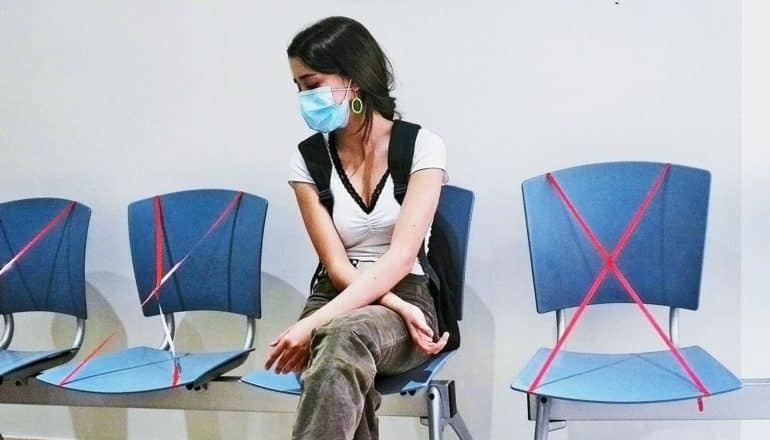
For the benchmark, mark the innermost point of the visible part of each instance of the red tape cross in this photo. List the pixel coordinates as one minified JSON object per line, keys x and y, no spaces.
{"x":160,"y":279}
{"x":42,"y":233}
{"x":610,"y":265}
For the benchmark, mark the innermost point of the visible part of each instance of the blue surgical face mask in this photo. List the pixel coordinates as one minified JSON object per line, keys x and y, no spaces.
{"x":319,"y":110}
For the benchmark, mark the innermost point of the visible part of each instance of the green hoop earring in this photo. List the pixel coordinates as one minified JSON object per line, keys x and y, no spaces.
{"x":356,"y":105}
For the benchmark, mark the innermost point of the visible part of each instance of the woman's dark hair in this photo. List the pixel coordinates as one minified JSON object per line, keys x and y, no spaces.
{"x":343,"y":46}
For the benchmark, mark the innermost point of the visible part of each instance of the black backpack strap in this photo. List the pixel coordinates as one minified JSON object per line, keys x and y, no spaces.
{"x":400,"y":152}
{"x":426,"y":266}
{"x":400,"y":155}
{"x":319,"y":165}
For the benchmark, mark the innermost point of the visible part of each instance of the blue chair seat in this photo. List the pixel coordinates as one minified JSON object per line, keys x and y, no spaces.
{"x":626,"y":378}
{"x":142,"y":369}
{"x":409,"y":381}
{"x":14,"y":360}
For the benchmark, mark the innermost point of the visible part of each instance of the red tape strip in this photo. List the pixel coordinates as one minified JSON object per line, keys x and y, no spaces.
{"x":42,"y":233}
{"x":85,"y":360}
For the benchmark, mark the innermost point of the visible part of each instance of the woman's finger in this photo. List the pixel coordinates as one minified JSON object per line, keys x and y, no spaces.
{"x":417,"y":335}
{"x":290,"y":361}
{"x":418,"y":338}
{"x":432,"y":348}
{"x":278,"y":338}
{"x":424,"y":328}
{"x":441,"y":343}
{"x":280,"y":364}
{"x":274,"y":353}
{"x":295,"y":361}
{"x":425,"y":345}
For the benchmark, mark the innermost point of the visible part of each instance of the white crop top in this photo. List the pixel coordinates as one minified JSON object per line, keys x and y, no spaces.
{"x":366,"y":235}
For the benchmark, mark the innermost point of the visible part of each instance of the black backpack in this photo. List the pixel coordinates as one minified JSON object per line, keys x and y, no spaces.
{"x":440,"y":264}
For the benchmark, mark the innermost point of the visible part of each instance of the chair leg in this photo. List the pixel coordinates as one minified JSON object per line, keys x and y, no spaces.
{"x":442,"y":411}
{"x":435,"y":419}
{"x":542,"y":419}
{"x":458,"y":424}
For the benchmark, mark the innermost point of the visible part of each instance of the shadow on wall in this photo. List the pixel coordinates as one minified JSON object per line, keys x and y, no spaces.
{"x":473,"y":368}
{"x":104,"y":423}
{"x":281,"y":305}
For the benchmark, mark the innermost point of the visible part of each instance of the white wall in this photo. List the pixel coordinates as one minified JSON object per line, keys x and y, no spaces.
{"x":108,"y":102}
{"x":755,"y":201}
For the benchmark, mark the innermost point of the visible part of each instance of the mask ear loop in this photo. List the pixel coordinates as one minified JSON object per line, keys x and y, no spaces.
{"x":346,"y":89}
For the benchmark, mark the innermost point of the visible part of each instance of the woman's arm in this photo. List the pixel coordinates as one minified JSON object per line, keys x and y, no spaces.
{"x":416,"y":216}
{"x":323,"y":235}
{"x":341,"y":272}
{"x":328,"y":245}
{"x":290,"y":349}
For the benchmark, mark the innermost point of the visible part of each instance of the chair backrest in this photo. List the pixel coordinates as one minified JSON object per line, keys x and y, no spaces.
{"x":50,"y":275}
{"x":448,"y":243}
{"x":662,"y":260}
{"x":223,"y":273}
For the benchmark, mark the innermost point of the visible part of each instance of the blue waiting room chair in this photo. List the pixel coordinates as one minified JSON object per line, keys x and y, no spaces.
{"x":450,"y":231}
{"x":662,"y":261}
{"x":222,"y":273}
{"x":42,"y":269}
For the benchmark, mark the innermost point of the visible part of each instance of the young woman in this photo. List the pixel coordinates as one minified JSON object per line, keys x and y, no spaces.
{"x":370,"y":311}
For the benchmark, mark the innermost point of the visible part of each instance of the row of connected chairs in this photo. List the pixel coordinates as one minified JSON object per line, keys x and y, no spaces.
{"x":650,"y":216}
{"x":191,"y":251}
